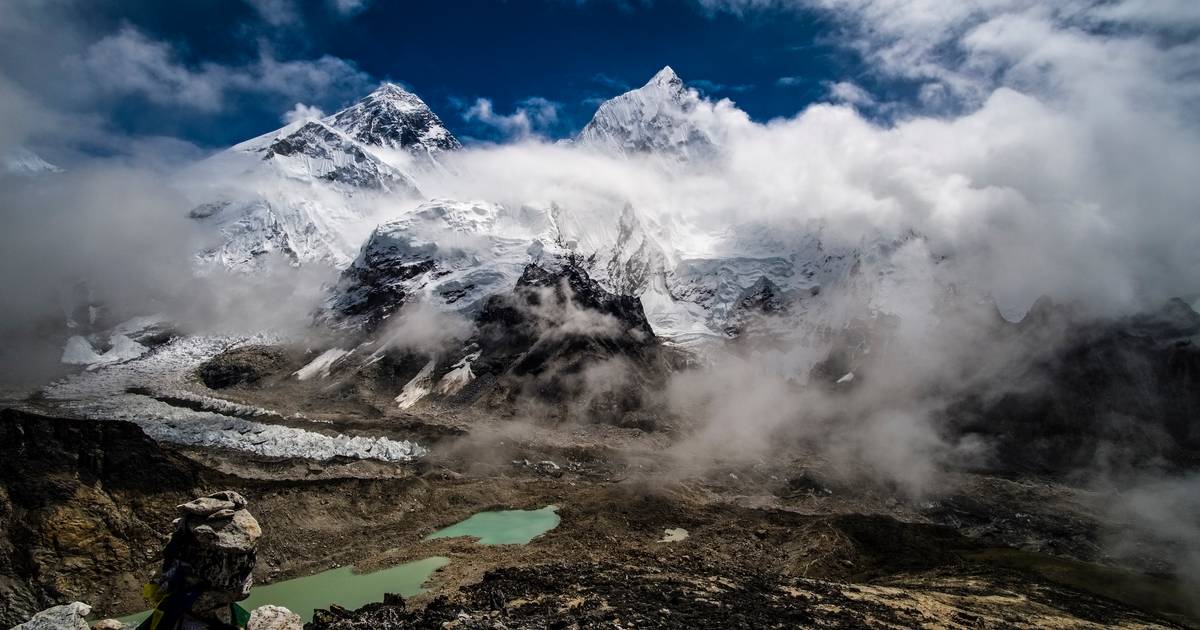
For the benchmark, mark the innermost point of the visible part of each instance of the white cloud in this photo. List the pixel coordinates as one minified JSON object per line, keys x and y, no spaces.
{"x":610,"y":82}
{"x":969,"y":47}
{"x":847,"y":92}
{"x":128,"y":62}
{"x":789,"y":81}
{"x":349,"y":7}
{"x":302,"y":112}
{"x":276,"y":12}
{"x":1054,"y":159}
{"x":1167,"y":14}
{"x":704,"y":85}
{"x":533,"y":116}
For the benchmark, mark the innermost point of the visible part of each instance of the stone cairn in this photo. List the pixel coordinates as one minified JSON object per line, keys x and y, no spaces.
{"x":214,"y":548}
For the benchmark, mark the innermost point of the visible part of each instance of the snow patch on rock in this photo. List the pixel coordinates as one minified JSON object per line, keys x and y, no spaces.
{"x":419,"y":387}
{"x":320,"y":366}
{"x":459,"y":376}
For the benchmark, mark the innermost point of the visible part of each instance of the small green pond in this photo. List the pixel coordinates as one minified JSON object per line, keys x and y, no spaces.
{"x":340,"y":586}
{"x":505,"y":527}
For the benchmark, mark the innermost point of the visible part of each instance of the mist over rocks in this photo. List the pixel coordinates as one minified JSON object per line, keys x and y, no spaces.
{"x":561,"y":339}
{"x":1115,"y":395}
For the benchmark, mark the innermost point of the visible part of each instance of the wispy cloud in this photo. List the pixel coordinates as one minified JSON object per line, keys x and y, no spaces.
{"x":349,"y":7}
{"x":847,"y":92}
{"x":790,"y":81}
{"x":610,"y":82}
{"x":532,"y":116}
{"x":288,"y":14}
{"x":302,"y":112}
{"x":277,"y":12}
{"x":713,"y":87}
{"x":130,"y":63}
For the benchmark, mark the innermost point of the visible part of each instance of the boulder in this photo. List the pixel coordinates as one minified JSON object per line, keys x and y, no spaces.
{"x":65,"y":617}
{"x":108,"y":624}
{"x":238,"y":532}
{"x":241,"y":366}
{"x":274,"y":618}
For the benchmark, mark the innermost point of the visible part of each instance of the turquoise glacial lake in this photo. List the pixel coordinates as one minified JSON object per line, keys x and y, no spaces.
{"x":505,"y":527}
{"x":340,"y":586}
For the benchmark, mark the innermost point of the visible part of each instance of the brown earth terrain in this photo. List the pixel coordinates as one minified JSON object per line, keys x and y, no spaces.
{"x":85,"y":507}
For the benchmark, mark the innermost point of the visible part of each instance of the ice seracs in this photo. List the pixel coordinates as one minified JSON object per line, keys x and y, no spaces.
{"x":127,"y":391}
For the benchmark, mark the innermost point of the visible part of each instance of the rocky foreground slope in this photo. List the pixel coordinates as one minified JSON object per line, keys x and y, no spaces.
{"x":801,"y":556}
{"x":82,"y":506}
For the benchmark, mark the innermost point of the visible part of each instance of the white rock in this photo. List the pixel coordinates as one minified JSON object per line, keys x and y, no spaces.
{"x":274,"y":618}
{"x":66,"y":617}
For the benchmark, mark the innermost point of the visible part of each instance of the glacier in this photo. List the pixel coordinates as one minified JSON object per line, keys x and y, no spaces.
{"x":118,"y":391}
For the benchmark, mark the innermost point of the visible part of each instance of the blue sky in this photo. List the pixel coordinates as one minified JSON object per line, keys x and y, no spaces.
{"x":571,"y":54}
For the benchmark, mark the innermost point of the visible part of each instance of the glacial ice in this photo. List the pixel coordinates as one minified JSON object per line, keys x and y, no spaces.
{"x":103,"y":394}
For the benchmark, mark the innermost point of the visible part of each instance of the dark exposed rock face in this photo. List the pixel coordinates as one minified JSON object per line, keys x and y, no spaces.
{"x":243,"y":365}
{"x":396,"y":118}
{"x":375,"y":286}
{"x":561,"y":338}
{"x":1057,"y":392}
{"x":561,"y":313}
{"x":753,"y":309}
{"x":317,"y":141}
{"x":66,"y":531}
{"x":1122,"y":392}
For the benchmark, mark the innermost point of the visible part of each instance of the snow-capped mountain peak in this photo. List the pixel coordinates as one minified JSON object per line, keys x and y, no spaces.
{"x":319,"y":150}
{"x":394,"y":118}
{"x":19,"y":160}
{"x":657,"y":118}
{"x":666,"y":78}
{"x":306,"y":189}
